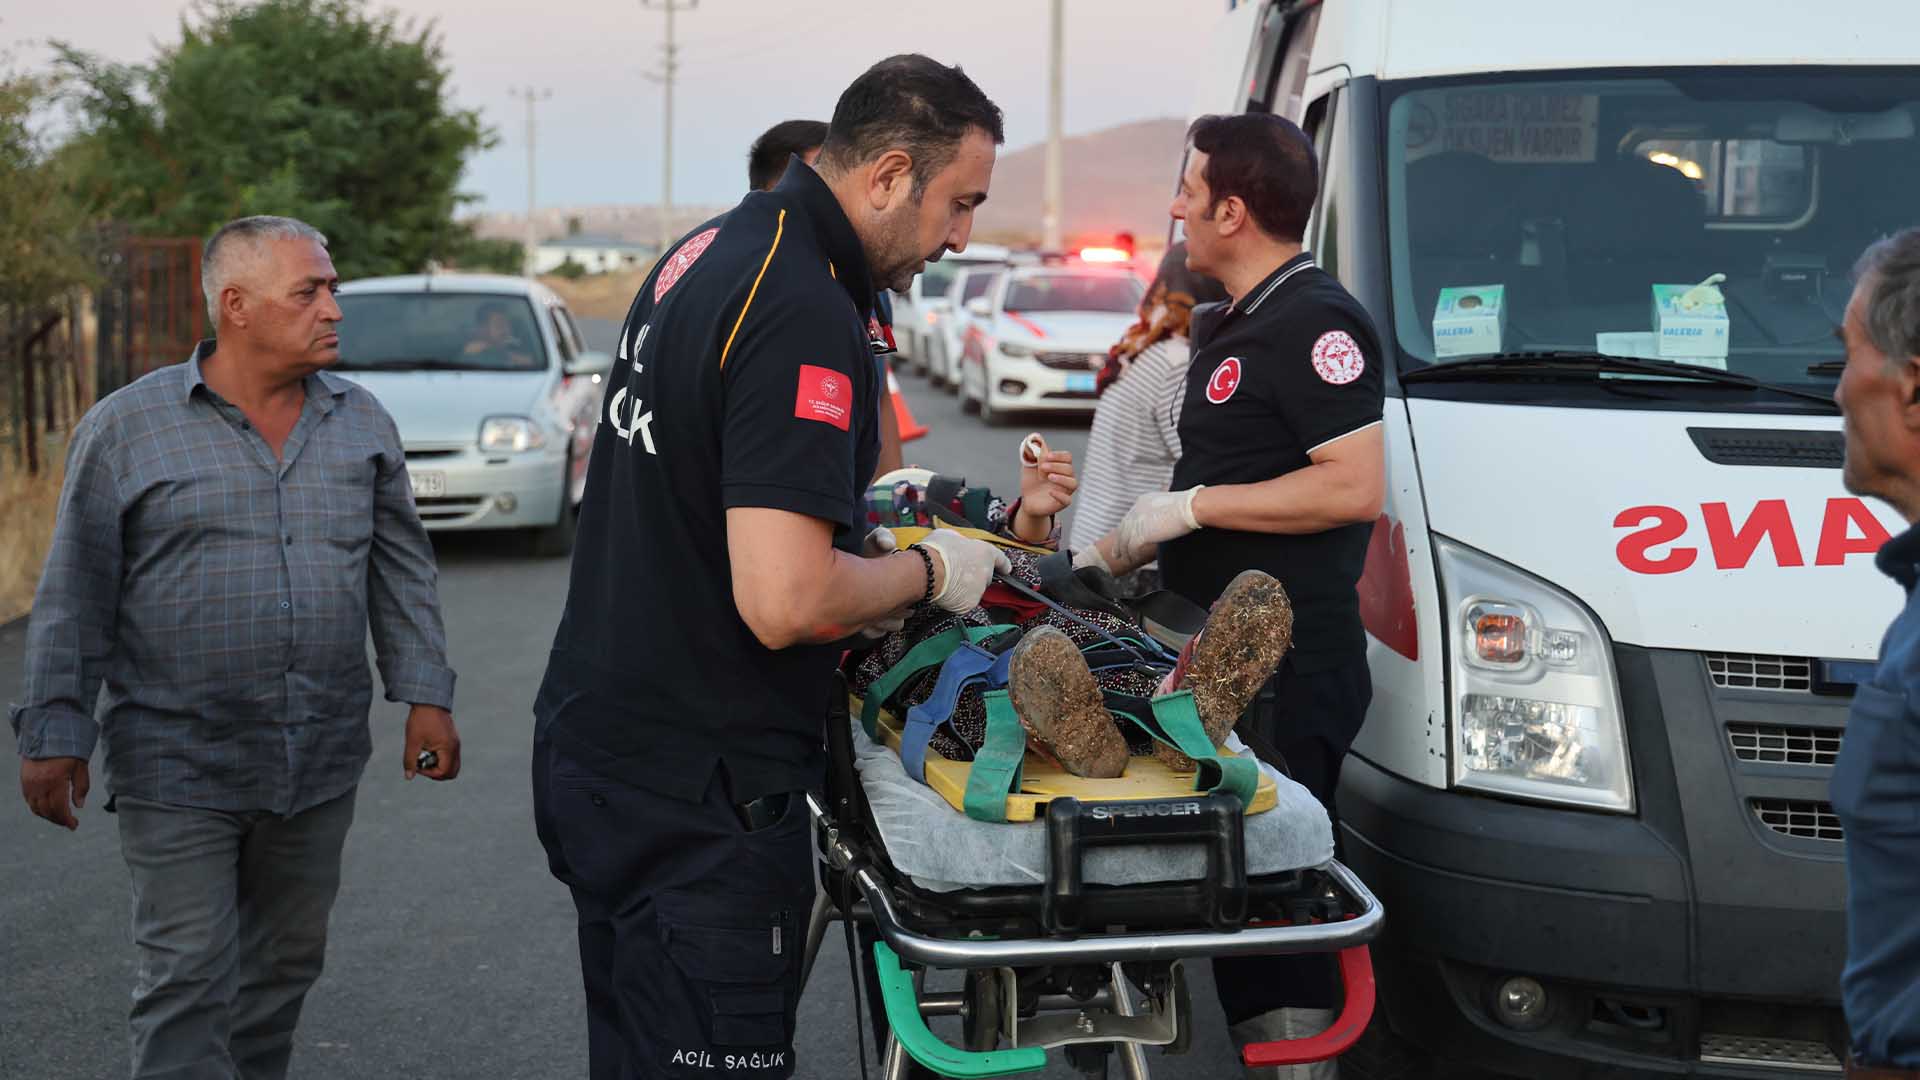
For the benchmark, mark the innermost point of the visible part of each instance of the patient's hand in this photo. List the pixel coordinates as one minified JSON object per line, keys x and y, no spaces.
{"x":1046,"y":488}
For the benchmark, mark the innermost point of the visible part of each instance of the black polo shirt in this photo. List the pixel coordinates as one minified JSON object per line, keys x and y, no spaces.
{"x":1286,"y":369}
{"x":744,"y":378}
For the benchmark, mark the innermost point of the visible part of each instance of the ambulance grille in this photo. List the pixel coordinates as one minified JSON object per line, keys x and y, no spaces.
{"x":1770,"y":448}
{"x":1753,"y":671}
{"x":1794,"y":817}
{"x":1778,"y":744}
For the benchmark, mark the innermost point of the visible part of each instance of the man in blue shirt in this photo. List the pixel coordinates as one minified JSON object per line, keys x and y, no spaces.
{"x":1876,"y":782}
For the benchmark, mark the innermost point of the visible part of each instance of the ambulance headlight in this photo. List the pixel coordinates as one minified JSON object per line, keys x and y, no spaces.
{"x":512,"y":434}
{"x":1535,"y":704}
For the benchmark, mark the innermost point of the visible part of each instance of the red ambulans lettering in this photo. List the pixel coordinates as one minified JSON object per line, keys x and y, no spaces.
{"x":1847,"y":528}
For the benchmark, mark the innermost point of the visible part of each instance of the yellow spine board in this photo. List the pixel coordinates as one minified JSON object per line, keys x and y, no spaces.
{"x":1146,"y":777}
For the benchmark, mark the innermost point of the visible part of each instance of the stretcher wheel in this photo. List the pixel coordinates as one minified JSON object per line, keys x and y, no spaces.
{"x":985,"y":1002}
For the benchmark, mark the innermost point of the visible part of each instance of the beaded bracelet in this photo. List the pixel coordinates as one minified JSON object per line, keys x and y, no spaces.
{"x":926,"y":557}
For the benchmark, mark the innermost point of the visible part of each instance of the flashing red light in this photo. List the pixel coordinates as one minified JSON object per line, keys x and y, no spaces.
{"x":1104,"y":255}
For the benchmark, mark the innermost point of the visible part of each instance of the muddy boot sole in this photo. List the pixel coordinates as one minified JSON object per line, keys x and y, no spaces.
{"x":1249,"y":629}
{"x":1059,"y":703}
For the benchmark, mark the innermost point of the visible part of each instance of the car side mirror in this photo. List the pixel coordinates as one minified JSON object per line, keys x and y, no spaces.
{"x":590,"y":363}
{"x":980,"y":305}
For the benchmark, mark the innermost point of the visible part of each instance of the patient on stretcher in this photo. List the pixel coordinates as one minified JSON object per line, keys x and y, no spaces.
{"x":1081,"y":675}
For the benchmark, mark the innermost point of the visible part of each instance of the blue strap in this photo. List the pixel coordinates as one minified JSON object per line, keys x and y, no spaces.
{"x":968,"y":666}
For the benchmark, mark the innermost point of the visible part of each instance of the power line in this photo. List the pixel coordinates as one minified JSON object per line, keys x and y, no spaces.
{"x":669,"y":70}
{"x":530,"y":96}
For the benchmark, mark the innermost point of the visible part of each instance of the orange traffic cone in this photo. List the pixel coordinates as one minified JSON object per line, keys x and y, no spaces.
{"x":910,"y":428}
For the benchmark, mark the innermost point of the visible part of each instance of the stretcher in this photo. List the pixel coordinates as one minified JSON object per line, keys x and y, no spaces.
{"x":1085,"y":954}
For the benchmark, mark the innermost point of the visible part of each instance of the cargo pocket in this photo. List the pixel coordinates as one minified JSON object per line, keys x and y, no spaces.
{"x":737,"y":954}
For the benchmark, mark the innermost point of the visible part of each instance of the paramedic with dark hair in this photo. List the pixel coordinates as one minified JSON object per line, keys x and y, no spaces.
{"x":1281,"y":470}
{"x":720,"y":566}
{"x":767,"y":162}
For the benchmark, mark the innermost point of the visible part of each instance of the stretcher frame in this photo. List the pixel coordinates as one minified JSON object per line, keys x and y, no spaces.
{"x":1093,"y":970}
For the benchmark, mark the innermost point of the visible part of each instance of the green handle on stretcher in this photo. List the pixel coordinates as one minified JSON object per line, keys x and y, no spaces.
{"x":910,"y":1030}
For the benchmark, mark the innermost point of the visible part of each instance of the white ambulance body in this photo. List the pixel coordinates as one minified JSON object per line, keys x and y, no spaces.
{"x":1615,"y":617}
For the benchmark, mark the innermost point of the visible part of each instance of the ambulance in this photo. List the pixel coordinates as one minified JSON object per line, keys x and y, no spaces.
{"x":1619,"y":599}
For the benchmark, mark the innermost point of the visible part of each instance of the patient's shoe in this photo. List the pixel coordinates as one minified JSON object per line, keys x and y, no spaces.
{"x":1247,"y":632}
{"x":1059,"y":703}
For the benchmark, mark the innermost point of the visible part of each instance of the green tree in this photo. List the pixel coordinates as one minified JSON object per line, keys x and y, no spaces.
{"x":489,"y":253}
{"x":44,"y":252}
{"x":320,"y":109}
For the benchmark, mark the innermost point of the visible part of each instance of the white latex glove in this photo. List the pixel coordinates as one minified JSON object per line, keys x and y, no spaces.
{"x":1154,"y":520}
{"x":879,"y":542}
{"x":888,"y":625}
{"x":1090,"y":556}
{"x":967,"y":566}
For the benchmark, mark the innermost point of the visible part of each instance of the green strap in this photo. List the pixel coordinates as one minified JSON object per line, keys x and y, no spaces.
{"x":930,"y":653}
{"x":996,"y":765}
{"x":910,"y":1030}
{"x":1217,"y":772}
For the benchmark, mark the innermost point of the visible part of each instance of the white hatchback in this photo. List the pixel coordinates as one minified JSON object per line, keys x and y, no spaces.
{"x":1037,"y":340}
{"x":494,"y":393}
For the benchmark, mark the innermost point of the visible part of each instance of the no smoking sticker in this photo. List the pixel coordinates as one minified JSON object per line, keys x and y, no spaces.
{"x":1337,"y":359}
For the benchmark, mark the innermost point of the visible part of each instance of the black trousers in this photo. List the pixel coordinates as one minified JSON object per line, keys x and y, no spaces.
{"x":691,"y":927}
{"x":1311,"y":720}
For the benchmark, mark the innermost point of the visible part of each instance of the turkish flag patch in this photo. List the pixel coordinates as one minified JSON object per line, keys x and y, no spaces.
{"x":825,"y":395}
{"x":1225,"y":380}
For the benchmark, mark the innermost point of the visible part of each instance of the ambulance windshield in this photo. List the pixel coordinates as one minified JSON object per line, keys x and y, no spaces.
{"x":1709,"y":218}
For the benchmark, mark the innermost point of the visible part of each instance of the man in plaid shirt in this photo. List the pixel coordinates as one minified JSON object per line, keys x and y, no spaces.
{"x":229,"y":529}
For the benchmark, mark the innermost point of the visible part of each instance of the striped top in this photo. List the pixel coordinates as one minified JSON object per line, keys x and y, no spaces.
{"x":1134,"y":442}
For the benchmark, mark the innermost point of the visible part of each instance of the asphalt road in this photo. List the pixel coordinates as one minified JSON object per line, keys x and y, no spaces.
{"x":451,"y":951}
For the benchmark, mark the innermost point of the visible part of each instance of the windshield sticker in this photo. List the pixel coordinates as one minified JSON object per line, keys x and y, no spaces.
{"x":1337,"y":359}
{"x":1505,"y":126}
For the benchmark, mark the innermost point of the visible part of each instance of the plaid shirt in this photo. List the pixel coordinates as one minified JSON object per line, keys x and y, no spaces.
{"x":224,"y":597}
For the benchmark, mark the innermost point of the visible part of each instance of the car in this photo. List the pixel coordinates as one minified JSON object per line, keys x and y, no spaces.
{"x":913,"y":310}
{"x":1038,"y":338}
{"x":947,"y":332}
{"x":494,"y":392}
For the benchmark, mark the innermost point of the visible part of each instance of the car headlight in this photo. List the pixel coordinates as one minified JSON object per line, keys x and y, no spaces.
{"x":1534,"y":701}
{"x":1009,"y":348}
{"x":511,"y":434}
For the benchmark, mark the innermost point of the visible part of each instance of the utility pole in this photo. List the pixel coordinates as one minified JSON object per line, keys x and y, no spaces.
{"x":530,"y":96}
{"x":669,"y":68}
{"x":1050,"y":209}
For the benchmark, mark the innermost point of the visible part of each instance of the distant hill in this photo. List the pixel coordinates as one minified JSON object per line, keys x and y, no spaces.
{"x":1117,"y":178}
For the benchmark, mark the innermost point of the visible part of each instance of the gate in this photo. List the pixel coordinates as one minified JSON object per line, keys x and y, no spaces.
{"x":150,"y":310}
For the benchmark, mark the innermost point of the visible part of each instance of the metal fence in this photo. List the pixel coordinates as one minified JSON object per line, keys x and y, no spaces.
{"x":58,"y":358}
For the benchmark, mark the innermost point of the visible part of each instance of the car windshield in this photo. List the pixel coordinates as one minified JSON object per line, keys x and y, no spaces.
{"x":937,"y":278}
{"x":977,"y":284}
{"x":1579,"y":216}
{"x":439,"y":332}
{"x":1074,"y":292}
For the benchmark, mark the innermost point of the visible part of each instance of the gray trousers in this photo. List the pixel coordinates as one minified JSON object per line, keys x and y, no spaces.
{"x":230,"y":924}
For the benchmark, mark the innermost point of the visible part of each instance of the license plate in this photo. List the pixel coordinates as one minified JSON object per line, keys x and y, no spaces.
{"x":1081,"y":383}
{"x":428,"y":485}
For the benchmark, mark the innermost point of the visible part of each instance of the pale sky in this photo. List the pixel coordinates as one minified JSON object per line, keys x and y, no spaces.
{"x":745,"y":65}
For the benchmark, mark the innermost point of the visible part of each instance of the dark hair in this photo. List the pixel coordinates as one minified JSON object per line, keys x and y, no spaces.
{"x":767,"y":160}
{"x":912,"y":103}
{"x":1267,"y":161}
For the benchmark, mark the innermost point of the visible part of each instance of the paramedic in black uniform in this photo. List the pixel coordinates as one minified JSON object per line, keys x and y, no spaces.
{"x":720,"y":559}
{"x":1281,"y":470}
{"x":767,"y":162}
